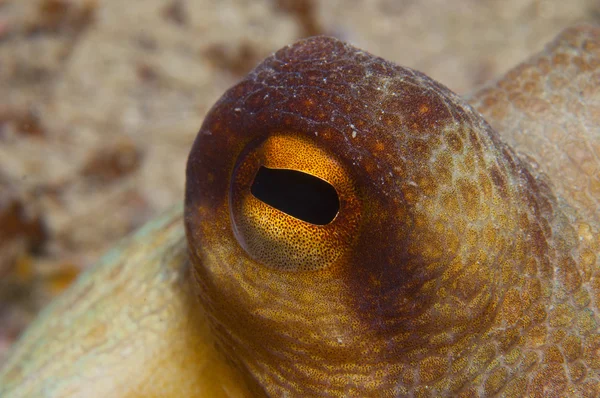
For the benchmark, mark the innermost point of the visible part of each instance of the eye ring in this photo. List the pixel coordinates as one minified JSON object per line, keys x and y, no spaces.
{"x":272,"y":226}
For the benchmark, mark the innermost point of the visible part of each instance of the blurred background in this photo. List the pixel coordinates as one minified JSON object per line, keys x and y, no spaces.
{"x":101,"y":99}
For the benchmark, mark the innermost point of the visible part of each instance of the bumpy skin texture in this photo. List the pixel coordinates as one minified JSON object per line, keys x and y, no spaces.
{"x":452,"y":268}
{"x":466,"y":276}
{"x":549,"y":109}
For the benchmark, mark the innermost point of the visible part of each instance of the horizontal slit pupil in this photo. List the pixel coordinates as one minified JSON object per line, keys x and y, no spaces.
{"x":297,"y":194}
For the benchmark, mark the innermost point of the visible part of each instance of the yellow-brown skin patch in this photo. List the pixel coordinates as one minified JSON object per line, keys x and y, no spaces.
{"x":451,"y":269}
{"x":130,"y":327}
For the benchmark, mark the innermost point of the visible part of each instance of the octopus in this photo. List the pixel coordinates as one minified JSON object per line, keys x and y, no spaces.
{"x":353,"y":228}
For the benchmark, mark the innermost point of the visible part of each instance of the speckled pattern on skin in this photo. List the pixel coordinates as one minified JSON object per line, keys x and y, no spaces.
{"x":456,"y":269}
{"x":549,"y":109}
{"x":465,"y":276}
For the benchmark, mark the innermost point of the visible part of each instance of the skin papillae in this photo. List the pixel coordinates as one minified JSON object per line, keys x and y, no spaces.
{"x":456,"y":266}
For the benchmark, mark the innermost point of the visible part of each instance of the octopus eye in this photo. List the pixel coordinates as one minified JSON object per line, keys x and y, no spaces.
{"x":297,"y":194}
{"x":293,"y":205}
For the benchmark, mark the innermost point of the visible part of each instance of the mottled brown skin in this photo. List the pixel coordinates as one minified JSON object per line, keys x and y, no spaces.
{"x":549,"y":109}
{"x":458,"y":271}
